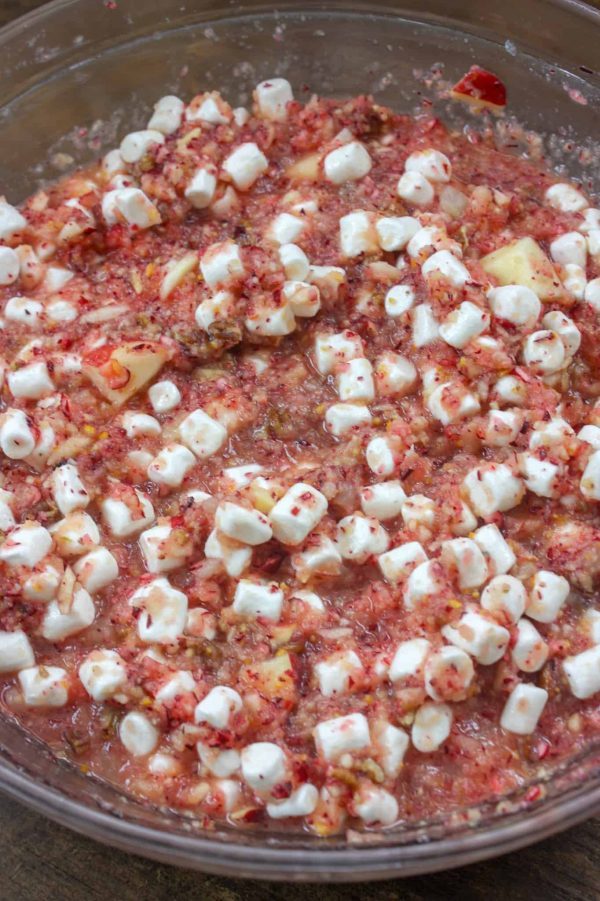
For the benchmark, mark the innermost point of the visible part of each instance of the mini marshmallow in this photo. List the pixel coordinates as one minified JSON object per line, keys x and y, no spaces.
{"x":235,"y":558}
{"x":382,"y":456}
{"x":217,"y":708}
{"x":504,"y":597}
{"x":565,"y":198}
{"x":297,"y":513}
{"x":409,"y":660}
{"x":425,"y":327}
{"x":414,"y":188}
{"x":16,"y":652}
{"x":221,"y":264}
{"x":258,"y":599}
{"x":515,"y":304}
{"x":592,"y":294}
{"x":16,"y":438}
{"x":160,"y":551}
{"x":272,"y":321}
{"x":431,"y":727}
{"x":575,"y":281}
{"x":320,"y":557}
{"x":23,"y":310}
{"x":355,"y":381}
{"x":247,"y":526}
{"x":10,"y":266}
{"x":523,"y":709}
{"x":591,"y":435}
{"x":342,"y":735}
{"x":425,"y":241}
{"x":394,"y":232}
{"x":544,"y":352}
{"x":42,"y":585}
{"x":590,"y":480}
{"x":264,"y":766}
{"x":492,"y":488}
{"x":339,"y":673}
{"x":418,"y":510}
{"x":219,"y":306}
{"x":167,"y":115}
{"x":502,"y":427}
{"x":219,"y":763}
{"x":449,"y":403}
{"x":12,"y":223}
{"x":464,"y":520}
{"x":449,"y":267}
{"x":26,"y":545}
{"x":68,"y":490}
{"x":351,"y":162}
{"x":300,"y":803}
{"x":61,"y":311}
{"x":331,"y":350}
{"x":7,"y":518}
{"x":242,"y":476}
{"x":137,"y":144}
{"x":96,"y":570}
{"x":135,"y":208}
{"x":137,"y":425}
{"x":398,"y":563}
{"x":44,"y":686}
{"x":498,"y":553}
{"x":392,"y":744}
{"x":245,"y":165}
{"x":164,"y":396}
{"x":565,"y":328}
{"x":30,"y":382}
{"x":464,"y":555}
{"x":395,"y":375}
{"x":547,"y":596}
{"x":128,"y":516}
{"x":201,"y":624}
{"x":171,"y":464}
{"x":433,"y":164}
{"x":164,"y":765}
{"x":555,"y":432}
{"x":138,"y":734}
{"x":304,"y":299}
{"x":286,"y":228}
{"x":569,"y":248}
{"x":540,"y":476}
{"x":163,"y":611}
{"x":399,"y":299}
{"x":311,"y":599}
{"x":583,"y":673}
{"x":360,"y":537}
{"x":374,"y":805}
{"x":343,"y":418}
{"x":479,"y":636}
{"x":448,"y":674}
{"x":201,"y":188}
{"x":530,"y":651}
{"x":327,"y":279}
{"x":422,"y":583}
{"x":272,"y":98}
{"x":384,"y":500}
{"x":357,"y":234}
{"x":294,"y":261}
{"x":58,"y":625}
{"x":464,"y":324}
{"x":211,"y":110}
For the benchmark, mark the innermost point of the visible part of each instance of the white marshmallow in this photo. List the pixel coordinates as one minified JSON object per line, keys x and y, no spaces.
{"x":479,"y":636}
{"x":16,"y":652}
{"x":247,"y":526}
{"x":201,"y":624}
{"x":242,"y":476}
{"x":384,"y":500}
{"x":433,"y":164}
{"x":350,"y":162}
{"x":219,"y":763}
{"x":164,"y":396}
{"x":272,"y":97}
{"x":235,"y":558}
{"x":300,"y":803}
{"x":68,"y":490}
{"x":399,"y":563}
{"x":425,"y":241}
{"x":320,"y":557}
{"x":464,"y":555}
{"x":566,"y":198}
{"x":164,"y":611}
{"x":569,"y":248}
{"x":211,"y":110}
{"x":544,"y":352}
{"x":583,"y":672}
{"x":504,"y":597}
{"x":450,"y":403}
{"x":592,"y":294}
{"x":547,"y":596}
{"x":515,"y":304}
{"x":530,"y":651}
{"x":590,"y":480}
{"x":342,"y":418}
{"x":140,"y":424}
{"x":425,"y":327}
{"x":492,"y":488}
{"x":304,"y":299}
{"x":464,"y":324}
{"x":129,"y":516}
{"x":221,"y":264}
{"x":409,"y":660}
{"x":431,"y":727}
{"x":171,"y":465}
{"x":311,"y":599}
{"x":56,"y":625}
{"x":422,"y":583}
{"x":355,"y":381}
{"x":96,"y":570}
{"x":394,"y":375}
{"x":264,"y":766}
{"x":591,"y":435}
{"x":540,"y":476}
{"x":444,"y":263}
{"x":133,"y":205}
{"x":217,"y":708}
{"x":498,"y":553}
{"x":26,"y":545}
{"x":136,"y":145}
{"x":392,"y":744}
{"x":382,"y":456}
{"x":399,"y":299}
{"x":418,"y":510}
{"x":245,"y":165}
{"x":23,"y":310}
{"x":464,"y":520}
{"x":502,"y":427}
{"x":415,"y":189}
{"x":286,"y":228}
{"x":523,"y":709}
{"x":164,"y":765}
{"x":12,"y":223}
{"x":158,"y":552}
{"x":394,"y":232}
{"x":16,"y":438}
{"x":448,"y":674}
{"x":342,"y":735}
{"x":201,"y":188}
{"x":360,"y":537}
{"x":42,"y":584}
{"x":10,"y":266}
{"x":219,"y":306}
{"x":138,"y":734}
{"x":44,"y":686}
{"x":297,"y":513}
{"x":258,"y":600}
{"x":565,"y":328}
{"x":339,"y":673}
{"x":327,"y":279}
{"x":331,"y":350}
{"x":30,"y":382}
{"x":357,"y":234}
{"x":294,"y":261}
{"x":167,"y":115}
{"x":374,"y":805}
{"x":272,"y":321}
{"x":7,"y":518}
{"x":575,"y":281}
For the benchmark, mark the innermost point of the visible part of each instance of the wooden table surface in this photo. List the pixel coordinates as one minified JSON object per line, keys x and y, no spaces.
{"x":40,"y":861}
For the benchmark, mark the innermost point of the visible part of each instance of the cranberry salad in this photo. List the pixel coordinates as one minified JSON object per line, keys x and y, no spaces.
{"x":300,"y":465}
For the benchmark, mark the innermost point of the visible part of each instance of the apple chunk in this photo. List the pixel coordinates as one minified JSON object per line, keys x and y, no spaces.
{"x":119,"y":371}
{"x":273,"y":678}
{"x":524,"y":263}
{"x":305,"y":169}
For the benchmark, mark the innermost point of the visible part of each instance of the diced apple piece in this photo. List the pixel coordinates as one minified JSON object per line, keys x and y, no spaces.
{"x":118,"y":372}
{"x":524,"y":263}
{"x":274,"y":678}
{"x":480,"y":88}
{"x":306,"y":169}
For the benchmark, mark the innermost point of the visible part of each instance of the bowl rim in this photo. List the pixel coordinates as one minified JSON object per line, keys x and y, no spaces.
{"x":355,"y":861}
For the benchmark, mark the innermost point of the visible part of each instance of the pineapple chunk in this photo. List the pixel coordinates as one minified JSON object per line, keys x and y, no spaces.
{"x":274,"y":678}
{"x":524,"y":263}
{"x":306,"y":169}
{"x":118,"y":372}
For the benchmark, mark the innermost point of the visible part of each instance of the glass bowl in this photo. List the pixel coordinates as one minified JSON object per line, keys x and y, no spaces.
{"x":77,"y":73}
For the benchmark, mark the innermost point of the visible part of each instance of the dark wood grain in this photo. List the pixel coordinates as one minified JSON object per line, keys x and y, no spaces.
{"x":40,"y":861}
